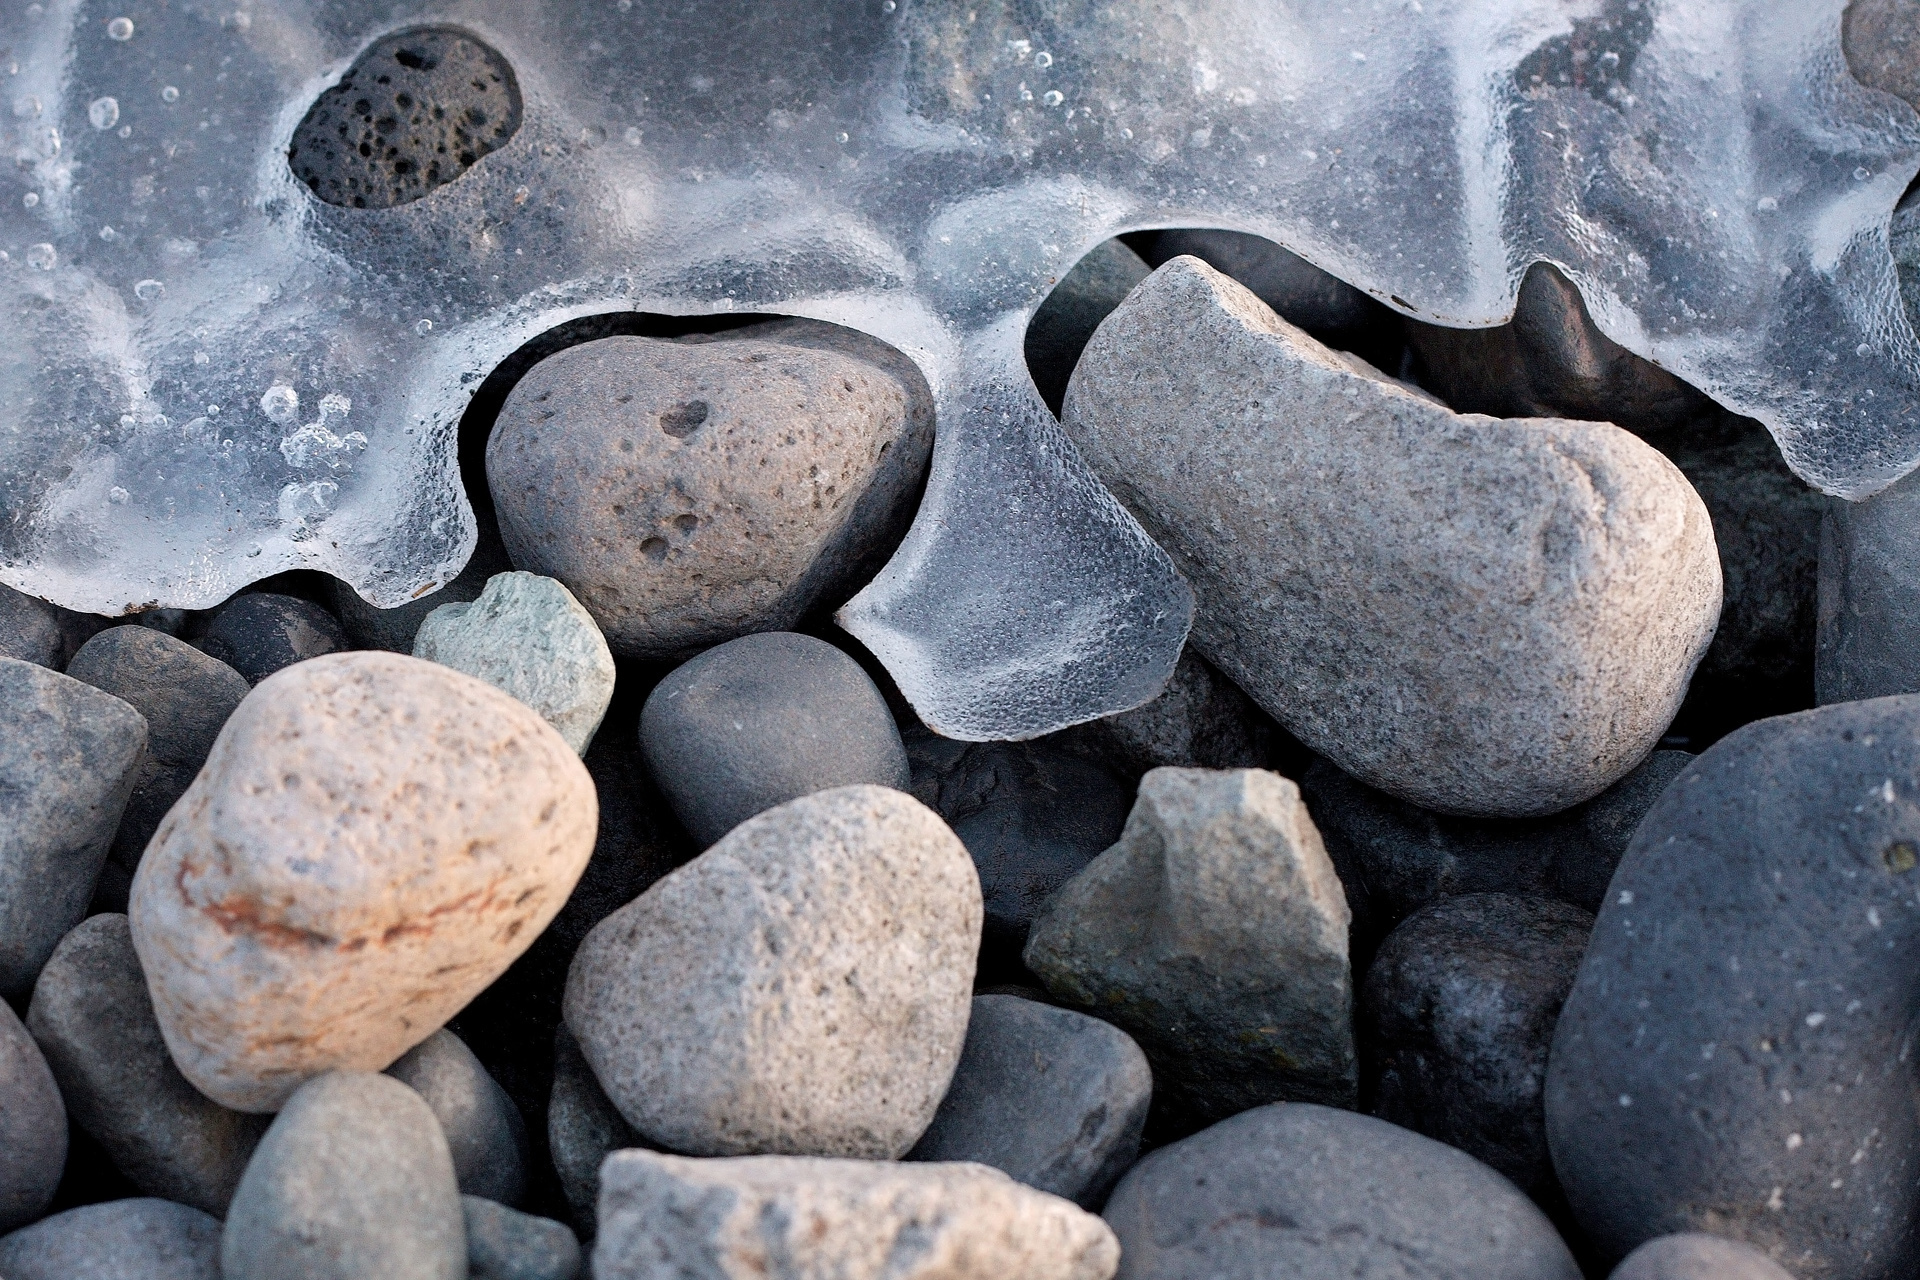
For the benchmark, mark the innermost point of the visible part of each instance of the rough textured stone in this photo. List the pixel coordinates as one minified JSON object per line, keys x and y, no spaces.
{"x":185,"y":696}
{"x":1324,"y":305}
{"x":352,"y":1180}
{"x":762,"y":720}
{"x":1693,"y":1256}
{"x":1882,"y":46}
{"x":372,"y":841}
{"x":119,"y":1240}
{"x":1735,"y":1054}
{"x":1455,"y":1019}
{"x":33,"y":1126}
{"x":1085,"y":296}
{"x":1311,"y":1193}
{"x":1869,"y":597}
{"x":1032,"y":816}
{"x":483,"y":1128}
{"x":93,"y":1019}
{"x":261,"y":633}
{"x":583,"y":1127}
{"x":1479,"y":616}
{"x":527,"y":635}
{"x":503,"y":1244}
{"x":1199,"y":721}
{"x":799,"y":988}
{"x":691,"y":491}
{"x":44,"y":634}
{"x":794,"y":1218}
{"x":68,"y":760}
{"x":1049,"y":1097}
{"x":415,"y":111}
{"x":1216,"y":933}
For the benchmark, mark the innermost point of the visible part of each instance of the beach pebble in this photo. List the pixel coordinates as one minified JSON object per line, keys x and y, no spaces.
{"x":484,"y":1130}
{"x":69,"y":758}
{"x":504,"y":1244}
{"x":373,"y":840}
{"x":141,"y":1239}
{"x":260,"y":633}
{"x":93,"y":1019}
{"x":33,"y":1126}
{"x":352,"y":1180}
{"x":583,"y":1127}
{"x":44,"y":634}
{"x":762,"y":720}
{"x":1215,"y":933}
{"x":801,"y":988}
{"x":1695,"y":1256}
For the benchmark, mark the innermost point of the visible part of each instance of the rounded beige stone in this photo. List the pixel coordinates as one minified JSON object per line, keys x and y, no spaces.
{"x":373,"y":840}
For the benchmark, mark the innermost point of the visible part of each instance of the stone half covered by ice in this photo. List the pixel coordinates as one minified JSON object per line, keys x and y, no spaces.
{"x":209,"y":374}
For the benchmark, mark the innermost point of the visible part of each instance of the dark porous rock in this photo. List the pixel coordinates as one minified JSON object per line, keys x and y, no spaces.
{"x":1551,"y":361}
{"x":120,"y":1240}
{"x":418,"y":109}
{"x":185,"y":696}
{"x":483,"y":1128}
{"x":1455,"y":1019}
{"x":1869,"y":596}
{"x":260,"y":633}
{"x":760,"y":721}
{"x":1050,"y":1097}
{"x":44,"y":634}
{"x":583,"y":1127}
{"x":1312,"y":1193}
{"x":33,"y":1126}
{"x":1032,"y":815}
{"x":1085,"y":296}
{"x":1323,"y":304}
{"x":690,"y":491}
{"x":1201,"y":720}
{"x":1881,"y":40}
{"x":1696,"y":1256}
{"x":1395,"y":858}
{"x":68,"y":760}
{"x":1735,"y":1056}
{"x":352,"y":1180}
{"x":94,"y":1021}
{"x":505,"y":1244}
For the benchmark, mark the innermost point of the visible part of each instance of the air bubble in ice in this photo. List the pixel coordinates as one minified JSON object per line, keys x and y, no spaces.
{"x":300,"y":503}
{"x":280,"y":403}
{"x":423,"y":327}
{"x":41,"y":257}
{"x":117,"y":495}
{"x":125,"y":131}
{"x":148,"y":290}
{"x":170,"y":94}
{"x":1053,"y":98}
{"x":886,"y":6}
{"x":103,"y":113}
{"x":317,"y":444}
{"x":120,"y":29}
{"x":201,"y":357}
{"x":109,"y":234}
{"x":31,"y":199}
{"x":1043,"y":59}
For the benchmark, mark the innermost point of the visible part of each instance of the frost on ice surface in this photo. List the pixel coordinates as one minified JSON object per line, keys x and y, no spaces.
{"x":1706,"y":172}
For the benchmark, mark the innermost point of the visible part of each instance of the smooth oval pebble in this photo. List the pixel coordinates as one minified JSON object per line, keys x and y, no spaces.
{"x":140,"y":1239}
{"x":504,"y":1244}
{"x":33,"y":1126}
{"x":802,"y":987}
{"x":483,"y":1128}
{"x":373,"y":840}
{"x":352,"y":1181}
{"x":1694,"y":1256}
{"x":260,"y":633}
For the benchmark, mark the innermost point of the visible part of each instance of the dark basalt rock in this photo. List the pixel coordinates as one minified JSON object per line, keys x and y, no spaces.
{"x":260,"y":633}
{"x":416,"y":111}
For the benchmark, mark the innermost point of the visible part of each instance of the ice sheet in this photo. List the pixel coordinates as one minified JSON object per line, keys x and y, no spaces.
{"x":208,"y":375}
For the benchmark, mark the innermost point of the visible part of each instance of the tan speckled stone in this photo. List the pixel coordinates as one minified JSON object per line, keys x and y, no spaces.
{"x":373,"y":840}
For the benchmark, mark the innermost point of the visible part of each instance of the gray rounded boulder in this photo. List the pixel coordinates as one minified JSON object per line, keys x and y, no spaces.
{"x":1696,"y":1256}
{"x":484,"y":1130}
{"x":33,"y":1126}
{"x":141,"y":1239}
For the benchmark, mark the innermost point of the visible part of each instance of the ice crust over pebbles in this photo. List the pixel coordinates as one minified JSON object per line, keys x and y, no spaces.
{"x":858,"y":164}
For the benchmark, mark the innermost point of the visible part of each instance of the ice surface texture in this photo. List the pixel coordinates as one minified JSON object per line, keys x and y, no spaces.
{"x":1706,"y":172}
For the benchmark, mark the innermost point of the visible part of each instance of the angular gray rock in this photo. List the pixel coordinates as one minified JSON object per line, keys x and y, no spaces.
{"x":1215,"y":933}
{"x":802,"y":987}
{"x":138,"y":1239}
{"x":1454,"y":1022}
{"x":1695,"y":1256}
{"x":93,"y":1019}
{"x":1199,"y":721}
{"x":44,"y":634}
{"x":185,"y":696}
{"x":1085,"y":296}
{"x":796,"y":1218}
{"x":505,"y":1244}
{"x":528,"y":636}
{"x":353,"y":1180}
{"x":260,"y":633}
{"x":583,"y":1128}
{"x":1051,"y":1098}
{"x":1481,"y":616}
{"x":33,"y":1126}
{"x":1869,"y":597}
{"x":1312,"y":1193}
{"x":1735,"y":1055}
{"x":483,"y":1128}
{"x":691,"y":491}
{"x":68,"y":761}
{"x":761,"y":720}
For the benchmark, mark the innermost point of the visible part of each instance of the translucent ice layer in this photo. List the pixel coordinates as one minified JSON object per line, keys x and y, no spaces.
{"x":209,"y":374}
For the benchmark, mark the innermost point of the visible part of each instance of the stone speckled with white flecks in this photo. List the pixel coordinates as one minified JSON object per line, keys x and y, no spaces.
{"x":373,"y":840}
{"x":801,"y":988}
{"x":795,"y":1218}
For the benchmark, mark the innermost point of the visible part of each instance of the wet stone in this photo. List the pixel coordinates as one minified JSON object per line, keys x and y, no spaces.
{"x":139,"y":1239}
{"x":260,"y":633}
{"x":483,"y":1128}
{"x":418,"y":109}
